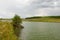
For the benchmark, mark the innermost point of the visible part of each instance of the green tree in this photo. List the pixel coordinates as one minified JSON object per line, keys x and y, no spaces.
{"x":16,"y":20}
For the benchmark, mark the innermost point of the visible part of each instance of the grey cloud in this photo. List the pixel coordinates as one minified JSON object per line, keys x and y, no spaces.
{"x":26,"y":8}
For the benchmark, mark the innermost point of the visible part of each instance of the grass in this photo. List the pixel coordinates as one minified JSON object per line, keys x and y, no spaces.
{"x":6,"y":31}
{"x":43,"y":20}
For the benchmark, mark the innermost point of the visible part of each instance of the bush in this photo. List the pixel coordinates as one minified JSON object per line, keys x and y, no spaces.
{"x":17,"y":24}
{"x":16,"y":21}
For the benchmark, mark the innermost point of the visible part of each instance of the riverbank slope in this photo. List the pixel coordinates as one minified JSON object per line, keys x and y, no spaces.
{"x":6,"y":31}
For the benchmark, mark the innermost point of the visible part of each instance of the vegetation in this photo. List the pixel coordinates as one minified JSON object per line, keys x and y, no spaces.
{"x":16,"y":22}
{"x":6,"y":31}
{"x":33,"y":17}
{"x":10,"y":29}
{"x":43,"y":19}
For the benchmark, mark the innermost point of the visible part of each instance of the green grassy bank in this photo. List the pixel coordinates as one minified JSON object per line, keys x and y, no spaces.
{"x":43,"y":20}
{"x":6,"y":31}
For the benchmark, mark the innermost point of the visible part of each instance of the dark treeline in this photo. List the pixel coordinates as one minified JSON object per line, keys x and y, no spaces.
{"x":42,"y":17}
{"x":52,"y":16}
{"x":33,"y":17}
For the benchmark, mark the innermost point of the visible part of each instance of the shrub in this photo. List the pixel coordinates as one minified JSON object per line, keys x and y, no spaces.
{"x":17,"y":24}
{"x":16,"y":20}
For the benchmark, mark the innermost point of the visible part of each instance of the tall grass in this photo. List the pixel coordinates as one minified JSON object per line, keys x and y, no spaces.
{"x":6,"y":31}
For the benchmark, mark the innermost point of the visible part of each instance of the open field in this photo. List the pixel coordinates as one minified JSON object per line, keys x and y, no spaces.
{"x":44,"y":20}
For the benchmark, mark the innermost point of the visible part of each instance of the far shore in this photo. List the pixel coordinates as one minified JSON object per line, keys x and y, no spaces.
{"x":43,"y":20}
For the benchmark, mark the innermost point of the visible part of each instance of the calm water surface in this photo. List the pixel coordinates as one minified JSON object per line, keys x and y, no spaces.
{"x":40,"y":31}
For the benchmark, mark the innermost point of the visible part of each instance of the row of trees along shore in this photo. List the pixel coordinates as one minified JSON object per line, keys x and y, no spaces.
{"x":42,"y":17}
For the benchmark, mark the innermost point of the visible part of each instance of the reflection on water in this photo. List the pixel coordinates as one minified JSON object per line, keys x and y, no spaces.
{"x":17,"y":31}
{"x":40,"y":31}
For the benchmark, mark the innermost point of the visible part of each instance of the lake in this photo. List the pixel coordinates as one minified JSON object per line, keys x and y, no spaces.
{"x":40,"y":31}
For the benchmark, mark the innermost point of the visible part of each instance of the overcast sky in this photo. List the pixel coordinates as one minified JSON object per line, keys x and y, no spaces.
{"x":27,"y":8}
